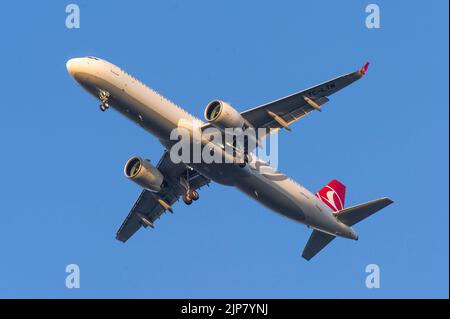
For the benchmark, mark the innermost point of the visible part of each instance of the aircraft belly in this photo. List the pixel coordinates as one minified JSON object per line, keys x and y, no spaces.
{"x":272,"y":196}
{"x":256,"y":186}
{"x":222,"y":173}
{"x":141,"y":108}
{"x":144,"y":116}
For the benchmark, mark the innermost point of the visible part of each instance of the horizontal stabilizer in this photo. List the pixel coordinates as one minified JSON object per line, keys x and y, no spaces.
{"x":352,"y":215}
{"x":317,"y":241}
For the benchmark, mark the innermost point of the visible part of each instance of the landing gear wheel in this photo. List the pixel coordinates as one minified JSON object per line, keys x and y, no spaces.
{"x":246,"y":159}
{"x":104,"y":106}
{"x":194,"y":195}
{"x":187,"y":200}
{"x":104,"y":98}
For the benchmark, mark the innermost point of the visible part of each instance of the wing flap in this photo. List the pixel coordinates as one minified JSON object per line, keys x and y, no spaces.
{"x":295,"y":106}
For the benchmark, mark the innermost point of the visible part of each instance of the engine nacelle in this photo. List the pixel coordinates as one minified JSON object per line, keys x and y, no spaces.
{"x":222,"y":115}
{"x":143,"y":173}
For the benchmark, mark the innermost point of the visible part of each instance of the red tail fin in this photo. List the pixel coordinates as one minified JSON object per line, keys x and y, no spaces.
{"x":333,"y":195}
{"x":364,"y":69}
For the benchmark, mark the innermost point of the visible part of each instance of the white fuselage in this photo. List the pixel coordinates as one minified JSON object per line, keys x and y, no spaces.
{"x":159,"y":116}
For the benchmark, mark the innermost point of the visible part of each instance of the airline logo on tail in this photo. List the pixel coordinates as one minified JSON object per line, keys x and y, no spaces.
{"x":333,"y":195}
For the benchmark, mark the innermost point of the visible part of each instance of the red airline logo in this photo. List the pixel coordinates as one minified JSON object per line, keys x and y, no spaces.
{"x":333,"y":195}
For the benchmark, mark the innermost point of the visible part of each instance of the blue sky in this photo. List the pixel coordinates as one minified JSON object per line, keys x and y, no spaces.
{"x":63,"y":194}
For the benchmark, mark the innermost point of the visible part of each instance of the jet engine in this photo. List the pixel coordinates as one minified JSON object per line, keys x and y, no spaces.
{"x":143,"y":173}
{"x":222,"y":115}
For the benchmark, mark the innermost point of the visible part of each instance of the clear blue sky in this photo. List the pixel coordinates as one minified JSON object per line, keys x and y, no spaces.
{"x":63,"y":194}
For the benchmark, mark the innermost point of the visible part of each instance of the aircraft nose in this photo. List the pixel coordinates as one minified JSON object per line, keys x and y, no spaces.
{"x":72,"y":66}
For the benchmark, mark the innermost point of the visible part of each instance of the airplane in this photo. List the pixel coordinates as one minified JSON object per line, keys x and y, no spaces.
{"x":162,"y":185}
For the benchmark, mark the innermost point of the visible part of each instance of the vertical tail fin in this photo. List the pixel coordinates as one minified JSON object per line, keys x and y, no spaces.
{"x":333,"y":195}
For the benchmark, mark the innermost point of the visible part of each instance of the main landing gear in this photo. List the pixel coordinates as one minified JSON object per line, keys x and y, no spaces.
{"x":246,"y":160}
{"x":191,"y":195}
{"x":104,"y":98}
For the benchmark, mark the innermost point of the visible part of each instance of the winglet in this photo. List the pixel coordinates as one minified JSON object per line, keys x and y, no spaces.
{"x":364,"y":69}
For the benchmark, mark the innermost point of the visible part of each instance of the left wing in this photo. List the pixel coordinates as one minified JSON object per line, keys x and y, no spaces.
{"x":150,"y":205}
{"x":280,"y":113}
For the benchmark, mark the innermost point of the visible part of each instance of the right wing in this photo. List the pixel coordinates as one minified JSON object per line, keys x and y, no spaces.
{"x":280,"y":113}
{"x":150,"y":205}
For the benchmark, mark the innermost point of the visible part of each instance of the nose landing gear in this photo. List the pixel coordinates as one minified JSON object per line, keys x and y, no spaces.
{"x":104,"y":98}
{"x":104,"y":107}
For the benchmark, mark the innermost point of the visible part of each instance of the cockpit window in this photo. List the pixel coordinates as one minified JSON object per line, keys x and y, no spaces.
{"x":92,"y":57}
